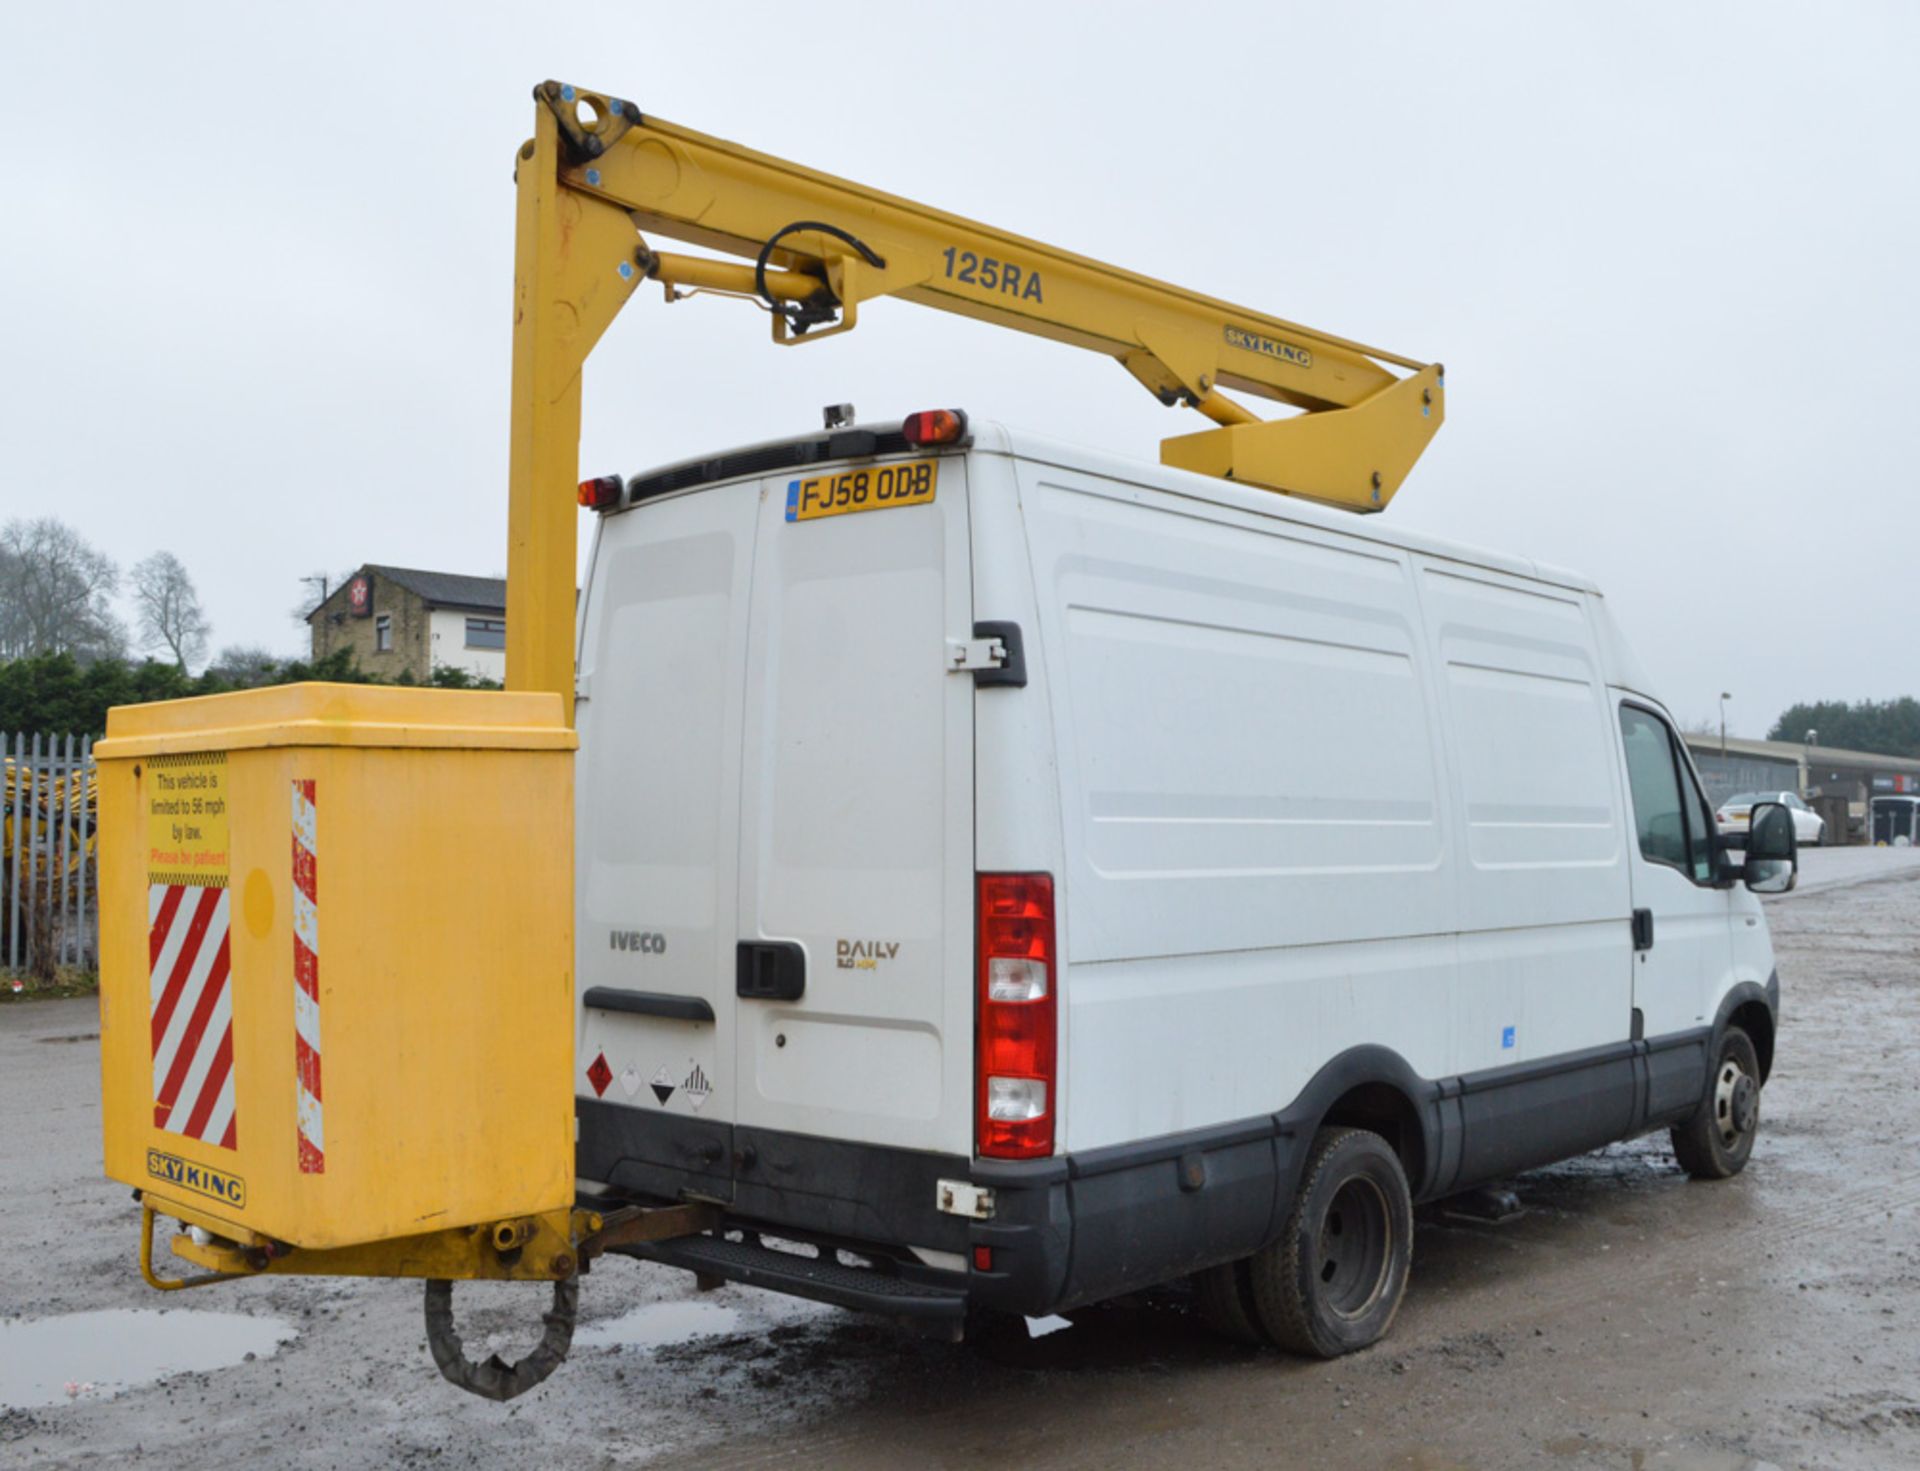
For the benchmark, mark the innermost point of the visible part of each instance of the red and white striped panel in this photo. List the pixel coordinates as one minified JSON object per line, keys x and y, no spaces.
{"x":191,"y":1012}
{"x":306,"y":977}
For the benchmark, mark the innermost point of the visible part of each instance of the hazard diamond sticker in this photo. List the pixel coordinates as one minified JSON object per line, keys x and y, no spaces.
{"x":696,"y":1086}
{"x":663,"y":1085}
{"x":599,"y":1074}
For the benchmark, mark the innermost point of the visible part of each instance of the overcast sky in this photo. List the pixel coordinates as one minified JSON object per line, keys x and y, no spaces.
{"x":256,"y":266}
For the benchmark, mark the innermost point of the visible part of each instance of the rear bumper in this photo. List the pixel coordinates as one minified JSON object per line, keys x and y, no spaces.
{"x":1064,"y":1232}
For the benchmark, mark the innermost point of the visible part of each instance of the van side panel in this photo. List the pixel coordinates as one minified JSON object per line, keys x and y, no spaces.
{"x":1256,"y":842}
{"x":1546,"y":958}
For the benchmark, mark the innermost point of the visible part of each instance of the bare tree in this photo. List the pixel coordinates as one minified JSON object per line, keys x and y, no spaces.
{"x":169,"y":608}
{"x":245,"y":666}
{"x":56,"y":593}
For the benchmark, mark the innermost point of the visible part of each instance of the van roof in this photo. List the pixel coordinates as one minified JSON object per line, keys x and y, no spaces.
{"x":990,"y":437}
{"x":995,"y":438}
{"x":1619,"y":667}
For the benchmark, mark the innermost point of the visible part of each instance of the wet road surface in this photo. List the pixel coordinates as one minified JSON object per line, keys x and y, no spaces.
{"x":1631,"y":1318}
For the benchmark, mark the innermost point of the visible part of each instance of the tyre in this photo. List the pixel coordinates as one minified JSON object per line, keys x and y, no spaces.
{"x":1716,"y":1142}
{"x":1333,"y":1281}
{"x":1225,"y":1299}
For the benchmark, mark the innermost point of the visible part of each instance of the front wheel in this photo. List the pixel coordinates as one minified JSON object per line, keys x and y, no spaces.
{"x":1716,"y":1142}
{"x":1333,"y":1281}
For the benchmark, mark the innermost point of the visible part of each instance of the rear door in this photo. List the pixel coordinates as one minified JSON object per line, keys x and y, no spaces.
{"x":856,"y":814}
{"x":658,"y":834}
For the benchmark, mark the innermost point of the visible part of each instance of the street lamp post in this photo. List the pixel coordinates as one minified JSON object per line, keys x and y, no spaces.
{"x":1724,"y":697}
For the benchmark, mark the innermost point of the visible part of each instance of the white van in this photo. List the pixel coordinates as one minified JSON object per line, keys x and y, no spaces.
{"x":1011,"y":876}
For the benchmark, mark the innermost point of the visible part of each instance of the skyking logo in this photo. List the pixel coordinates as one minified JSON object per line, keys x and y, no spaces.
{"x":217,"y":1185}
{"x":1271,"y":347}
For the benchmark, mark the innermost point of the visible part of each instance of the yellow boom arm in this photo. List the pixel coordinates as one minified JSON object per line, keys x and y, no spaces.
{"x":597,"y":174}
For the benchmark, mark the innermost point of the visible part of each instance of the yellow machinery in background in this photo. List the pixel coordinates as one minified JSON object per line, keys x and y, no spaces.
{"x":337,"y":921}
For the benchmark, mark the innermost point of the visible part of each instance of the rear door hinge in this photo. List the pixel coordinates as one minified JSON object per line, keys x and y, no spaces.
{"x":995,"y":654}
{"x":971,"y":654}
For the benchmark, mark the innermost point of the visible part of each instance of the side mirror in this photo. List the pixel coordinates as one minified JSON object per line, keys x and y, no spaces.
{"x":1773,"y":854}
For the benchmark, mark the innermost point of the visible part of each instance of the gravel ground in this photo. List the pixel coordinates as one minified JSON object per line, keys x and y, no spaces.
{"x":1630,"y":1318}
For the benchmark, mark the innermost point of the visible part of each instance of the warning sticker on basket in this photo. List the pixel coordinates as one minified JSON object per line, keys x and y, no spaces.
{"x":186,"y":798}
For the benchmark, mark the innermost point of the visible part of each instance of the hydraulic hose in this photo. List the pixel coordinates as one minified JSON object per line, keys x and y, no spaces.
{"x":496,"y":1379}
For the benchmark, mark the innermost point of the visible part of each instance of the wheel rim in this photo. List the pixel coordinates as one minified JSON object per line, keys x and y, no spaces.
{"x":1736,"y":1103}
{"x":1353,"y":1249}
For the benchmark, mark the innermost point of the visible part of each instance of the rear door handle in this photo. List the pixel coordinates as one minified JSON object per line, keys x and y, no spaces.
{"x":770,"y":970}
{"x":1643,"y":929}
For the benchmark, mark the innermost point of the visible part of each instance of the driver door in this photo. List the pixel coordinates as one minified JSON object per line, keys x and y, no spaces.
{"x":1683,"y":936}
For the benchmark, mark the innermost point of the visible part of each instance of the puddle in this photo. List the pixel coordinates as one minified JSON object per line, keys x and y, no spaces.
{"x":48,"y":1361}
{"x":658,"y":1324}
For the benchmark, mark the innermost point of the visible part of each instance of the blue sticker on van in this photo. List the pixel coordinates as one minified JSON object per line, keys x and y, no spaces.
{"x":1506,"y":1037}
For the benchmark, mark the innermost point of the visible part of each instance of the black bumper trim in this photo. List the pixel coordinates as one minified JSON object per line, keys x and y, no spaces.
{"x":1078,"y":1228}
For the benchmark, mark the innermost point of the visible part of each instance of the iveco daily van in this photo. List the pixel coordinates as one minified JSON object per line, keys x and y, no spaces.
{"x":1010,"y":876}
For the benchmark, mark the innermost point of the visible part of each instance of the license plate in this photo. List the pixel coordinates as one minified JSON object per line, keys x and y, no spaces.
{"x":868,"y":488}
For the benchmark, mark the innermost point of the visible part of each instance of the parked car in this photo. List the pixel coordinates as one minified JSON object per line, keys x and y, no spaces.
{"x":1809,"y":827}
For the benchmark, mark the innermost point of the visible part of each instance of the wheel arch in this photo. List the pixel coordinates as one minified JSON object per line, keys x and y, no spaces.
{"x":1752,"y":1009}
{"x":1373,"y":1088}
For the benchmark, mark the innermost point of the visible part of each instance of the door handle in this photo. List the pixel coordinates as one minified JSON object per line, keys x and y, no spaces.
{"x":1643,"y":929}
{"x":770,"y":970}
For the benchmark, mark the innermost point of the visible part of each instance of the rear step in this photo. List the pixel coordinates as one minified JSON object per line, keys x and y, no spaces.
{"x":823,"y":1278}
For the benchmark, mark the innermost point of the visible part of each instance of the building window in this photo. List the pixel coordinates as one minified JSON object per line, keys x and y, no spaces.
{"x":383,"y":633}
{"x":486,"y":633}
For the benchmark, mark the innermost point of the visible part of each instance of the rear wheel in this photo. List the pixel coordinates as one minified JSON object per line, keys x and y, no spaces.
{"x":1717,"y":1141}
{"x":1225,"y":1299}
{"x":1334,"y":1280}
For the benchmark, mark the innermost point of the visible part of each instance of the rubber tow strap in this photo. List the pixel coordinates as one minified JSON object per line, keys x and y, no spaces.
{"x":496,"y":1379}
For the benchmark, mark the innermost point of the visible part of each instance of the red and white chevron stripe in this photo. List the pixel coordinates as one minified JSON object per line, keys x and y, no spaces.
{"x":306,"y":977}
{"x":191,"y":1012}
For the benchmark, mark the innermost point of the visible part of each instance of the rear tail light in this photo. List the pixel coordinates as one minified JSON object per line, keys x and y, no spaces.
{"x":934,"y":426}
{"x":597,"y":495}
{"x":1015,"y":1047}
